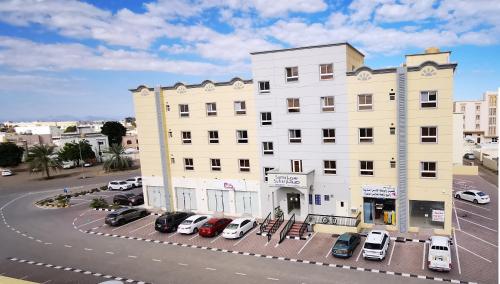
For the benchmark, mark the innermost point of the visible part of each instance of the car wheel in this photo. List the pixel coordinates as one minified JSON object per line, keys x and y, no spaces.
{"x":458,"y":196}
{"x":475,"y":201}
{"x":241,"y":234}
{"x":195,"y":231}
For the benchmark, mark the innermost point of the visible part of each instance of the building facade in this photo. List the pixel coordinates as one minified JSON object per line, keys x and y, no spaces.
{"x":479,"y":118}
{"x":320,"y":134}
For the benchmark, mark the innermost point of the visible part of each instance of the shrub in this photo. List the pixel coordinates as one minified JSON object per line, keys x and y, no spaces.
{"x":104,"y":187}
{"x":94,"y":190}
{"x":98,"y":203}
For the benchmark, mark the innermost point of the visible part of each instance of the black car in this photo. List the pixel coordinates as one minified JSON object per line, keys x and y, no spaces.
{"x":125,"y":215}
{"x":169,"y":221}
{"x":128,"y":199}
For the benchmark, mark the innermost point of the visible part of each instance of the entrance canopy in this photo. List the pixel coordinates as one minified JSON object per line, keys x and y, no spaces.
{"x":300,"y":181}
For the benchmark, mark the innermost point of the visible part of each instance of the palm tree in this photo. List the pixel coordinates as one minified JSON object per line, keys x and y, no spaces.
{"x":117,"y":159}
{"x":41,"y":158}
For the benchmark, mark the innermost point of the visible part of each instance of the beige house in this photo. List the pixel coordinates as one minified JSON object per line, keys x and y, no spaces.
{"x":479,"y":118}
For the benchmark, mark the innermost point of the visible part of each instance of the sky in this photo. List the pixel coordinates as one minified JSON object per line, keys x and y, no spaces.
{"x":68,"y":59}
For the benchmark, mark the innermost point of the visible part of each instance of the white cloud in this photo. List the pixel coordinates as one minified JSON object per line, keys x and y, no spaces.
{"x":282,"y":7}
{"x":406,"y":11}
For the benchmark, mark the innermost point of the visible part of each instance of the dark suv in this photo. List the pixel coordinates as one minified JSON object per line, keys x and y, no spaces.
{"x":128,"y":199}
{"x":169,"y":221}
{"x":123,"y":216}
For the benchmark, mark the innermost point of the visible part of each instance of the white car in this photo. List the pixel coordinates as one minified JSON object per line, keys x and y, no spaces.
{"x":119,"y":185}
{"x":68,"y":165}
{"x":439,"y":254}
{"x":7,"y":172}
{"x":135,"y":181}
{"x":474,"y":196}
{"x":192,"y":224}
{"x":238,"y":228}
{"x":376,"y":244}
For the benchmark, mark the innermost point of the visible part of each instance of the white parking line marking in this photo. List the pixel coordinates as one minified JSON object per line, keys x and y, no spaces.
{"x":471,"y":204}
{"x":423,"y":256}
{"x":392,"y":251}
{"x":330,"y":250}
{"x":210,"y":268}
{"x":48,"y":281}
{"x":246,"y":235}
{"x":182,"y":264}
{"x":273,"y":279}
{"x":214,"y":240}
{"x":487,"y":228}
{"x":456,"y":251}
{"x":88,"y":249}
{"x":110,"y":252}
{"x":307,"y":242}
{"x":474,"y":254}
{"x":479,"y":215}
{"x":172,"y":235}
{"x":149,"y":224}
{"x":195,"y":236}
{"x":151,"y":233}
{"x":360,"y":251}
{"x":478,"y":238}
{"x":157,"y":260}
{"x":68,"y":246}
{"x":120,"y":227}
{"x":47,"y":243}
{"x":239,"y":273}
{"x":456,"y":216}
{"x":132,"y":256}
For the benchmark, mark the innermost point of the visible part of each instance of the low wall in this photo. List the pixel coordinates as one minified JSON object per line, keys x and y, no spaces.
{"x":333,"y":229}
{"x":490,"y":163}
{"x":465,"y":170}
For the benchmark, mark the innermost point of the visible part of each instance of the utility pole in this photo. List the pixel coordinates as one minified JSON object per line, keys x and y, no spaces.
{"x":81,"y":159}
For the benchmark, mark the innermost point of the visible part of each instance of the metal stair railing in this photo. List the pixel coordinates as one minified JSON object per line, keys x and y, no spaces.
{"x":275,"y":226}
{"x":287,"y":228}
{"x":303,"y":227}
{"x":264,"y":224}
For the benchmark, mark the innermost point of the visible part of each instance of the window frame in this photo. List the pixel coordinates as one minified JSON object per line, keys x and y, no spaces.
{"x":241,"y":110}
{"x":424,"y":171}
{"x":367,"y":170}
{"x":293,"y":78}
{"x":324,"y":107}
{"x":266,"y":178}
{"x":210,"y":139}
{"x":191,"y":167}
{"x":422,"y":137}
{"x":293,"y":166}
{"x":216,"y":168}
{"x":428,"y":101}
{"x":264,"y":91}
{"x":211,"y":112}
{"x":186,"y":140}
{"x":241,"y":140}
{"x":329,"y":139}
{"x":183,"y":113}
{"x":367,"y":137}
{"x":297,"y":140}
{"x":267,"y":122}
{"x":365,"y":105}
{"x":329,"y":171}
{"x":293,"y":108}
{"x":321,"y":74}
{"x":267,"y":151}
{"x":244,"y":168}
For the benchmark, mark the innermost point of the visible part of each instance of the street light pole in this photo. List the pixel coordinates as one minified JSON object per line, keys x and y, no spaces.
{"x":81,"y":159}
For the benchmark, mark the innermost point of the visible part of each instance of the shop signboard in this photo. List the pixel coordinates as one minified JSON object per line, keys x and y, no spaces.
{"x":380,"y":191}
{"x":437,"y":215}
{"x":289,"y":180}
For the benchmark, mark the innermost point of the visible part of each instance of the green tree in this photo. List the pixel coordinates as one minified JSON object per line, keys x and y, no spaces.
{"x":71,"y":128}
{"x":117,"y":159}
{"x":41,"y":159}
{"x":71,"y":152}
{"x":115,"y":131}
{"x":10,"y":154}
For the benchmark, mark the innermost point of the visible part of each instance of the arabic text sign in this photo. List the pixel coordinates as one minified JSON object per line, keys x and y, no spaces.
{"x":438,"y":215}
{"x":380,"y":191}
{"x":287,"y":180}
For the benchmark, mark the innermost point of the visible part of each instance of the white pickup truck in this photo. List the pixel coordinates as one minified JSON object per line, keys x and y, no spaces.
{"x":439,"y":254}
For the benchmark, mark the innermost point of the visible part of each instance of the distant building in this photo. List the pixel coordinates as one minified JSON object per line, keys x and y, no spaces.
{"x":97,"y":140}
{"x":130,"y":142}
{"x":39,"y":130}
{"x":479,"y":118}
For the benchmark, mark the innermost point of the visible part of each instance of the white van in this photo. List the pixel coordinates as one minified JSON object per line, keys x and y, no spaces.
{"x":135,"y":181}
{"x":376,"y":244}
{"x":439,"y":254}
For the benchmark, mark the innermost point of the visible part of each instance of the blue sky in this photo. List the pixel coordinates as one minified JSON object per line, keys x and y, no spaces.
{"x":65,"y":59}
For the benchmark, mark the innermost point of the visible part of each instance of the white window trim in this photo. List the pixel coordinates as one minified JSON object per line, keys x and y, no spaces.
{"x":324,"y":107}
{"x":326,"y":74}
{"x":428,"y":101}
{"x":428,"y":171}
{"x":326,"y":139}
{"x":292,"y":166}
{"x":330,"y":169}
{"x":264,"y":91}
{"x":267,"y":152}
{"x":186,"y":166}
{"x":287,"y":79}
{"x":238,"y":110}
{"x":365,"y":142}
{"x":293,"y":107}
{"x":183,"y":112}
{"x":242,"y":169}
{"x":365,"y":104}
{"x":422,"y":136}
{"x":186,"y":140}
{"x":211,"y":112}
{"x":213,"y":139}
{"x":238,"y":138}
{"x":298,"y":140}
{"x":215,"y":168}
{"x":268,"y":122}
{"x":367,"y":170}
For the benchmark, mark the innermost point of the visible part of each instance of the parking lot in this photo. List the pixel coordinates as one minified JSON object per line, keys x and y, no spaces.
{"x":474,"y":251}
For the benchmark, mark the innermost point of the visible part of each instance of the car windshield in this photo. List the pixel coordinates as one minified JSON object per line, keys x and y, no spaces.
{"x":130,"y":194}
{"x":122,"y":182}
{"x":130,"y":179}
{"x":373,"y":246}
{"x":187,"y":222}
{"x":233,"y":226}
{"x":341,"y":243}
{"x":112,"y":215}
{"x":161,"y":221}
{"x":481,"y":193}
{"x":206,"y":225}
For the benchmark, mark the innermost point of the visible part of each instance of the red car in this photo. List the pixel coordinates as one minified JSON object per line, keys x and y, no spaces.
{"x":214,"y":226}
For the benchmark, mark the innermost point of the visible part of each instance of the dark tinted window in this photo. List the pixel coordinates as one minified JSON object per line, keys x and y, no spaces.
{"x":244,"y":223}
{"x":373,"y":246}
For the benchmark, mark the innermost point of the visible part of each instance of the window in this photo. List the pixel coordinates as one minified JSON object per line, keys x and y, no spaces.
{"x":478,"y":117}
{"x":267,"y":148}
{"x":170,"y":134}
{"x":317,"y":199}
{"x":392,"y":130}
{"x":292,"y":74}
{"x":240,"y":108}
{"x":478,"y":108}
{"x":265,"y":173}
{"x":393,"y":164}
{"x":264,"y":87}
{"x":365,"y":102}
{"x":186,"y":137}
{"x":462,"y":108}
{"x":244,"y":165}
{"x":428,"y":99}
{"x":428,"y":134}
{"x":329,"y":135}
{"x":327,"y":104}
{"x":215,"y":164}
{"x":310,"y":199}
{"x":129,"y":142}
{"x":184,"y":110}
{"x":366,"y":135}
{"x":293,"y":104}
{"x":366,"y":168}
{"x":265,"y":118}
{"x":172,"y":160}
{"x":296,"y":166}
{"x":241,"y":136}
{"x":478,"y":126}
{"x":392,"y":95}
{"x":168,"y":107}
{"x":294,"y":136}
{"x":327,"y":197}
{"x":326,"y":71}
{"x":428,"y":169}
{"x":330,"y":167}
{"x":188,"y":164}
{"x":211,"y":109}
{"x":213,"y":137}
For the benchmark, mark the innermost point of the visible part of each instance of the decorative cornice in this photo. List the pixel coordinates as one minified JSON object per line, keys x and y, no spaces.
{"x":201,"y":85}
{"x":410,"y":68}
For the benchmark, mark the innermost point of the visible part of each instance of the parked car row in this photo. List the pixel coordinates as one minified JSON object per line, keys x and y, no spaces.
{"x":129,"y":199}
{"x":377,"y":245}
{"x":7,"y":172}
{"x":125,"y":184}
